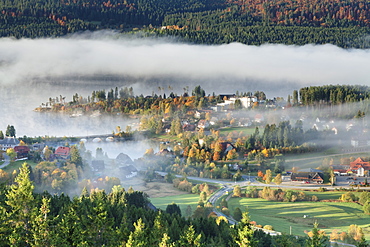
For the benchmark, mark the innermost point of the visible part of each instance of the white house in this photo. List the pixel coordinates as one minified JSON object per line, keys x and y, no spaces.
{"x":8,"y":142}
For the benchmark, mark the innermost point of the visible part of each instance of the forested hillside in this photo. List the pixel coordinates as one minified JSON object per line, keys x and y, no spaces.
{"x":339,"y":22}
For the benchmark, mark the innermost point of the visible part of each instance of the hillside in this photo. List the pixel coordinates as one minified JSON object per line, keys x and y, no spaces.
{"x":339,"y":22}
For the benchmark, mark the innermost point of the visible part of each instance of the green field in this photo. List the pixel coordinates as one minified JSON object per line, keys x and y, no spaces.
{"x":181,"y":200}
{"x":283,"y":215}
{"x":314,"y":160}
{"x":17,"y":164}
{"x":245,"y":130}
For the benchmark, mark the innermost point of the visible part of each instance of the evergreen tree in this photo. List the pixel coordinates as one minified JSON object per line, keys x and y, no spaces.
{"x":21,"y":212}
{"x":317,"y":238}
{"x":75,"y":156}
{"x":189,"y":238}
{"x":138,"y":237}
{"x":42,"y":234}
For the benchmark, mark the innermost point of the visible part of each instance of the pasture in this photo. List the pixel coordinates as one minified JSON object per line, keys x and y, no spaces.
{"x":181,"y":200}
{"x":285,"y":215}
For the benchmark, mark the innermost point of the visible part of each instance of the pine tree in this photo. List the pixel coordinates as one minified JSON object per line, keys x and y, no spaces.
{"x":138,"y":237}
{"x":189,"y":237}
{"x":21,"y":202}
{"x":244,"y":233}
{"x":317,"y":238}
{"x":41,"y":225}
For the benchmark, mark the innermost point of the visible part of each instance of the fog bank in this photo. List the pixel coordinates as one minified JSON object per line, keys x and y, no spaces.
{"x":178,"y":64}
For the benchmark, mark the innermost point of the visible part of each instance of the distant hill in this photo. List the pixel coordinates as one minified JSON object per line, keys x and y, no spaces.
{"x":339,"y":22}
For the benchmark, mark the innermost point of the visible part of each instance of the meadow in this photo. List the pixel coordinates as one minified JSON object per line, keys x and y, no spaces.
{"x":181,"y":200}
{"x":17,"y":164}
{"x":299,"y":217}
{"x":244,"y":130}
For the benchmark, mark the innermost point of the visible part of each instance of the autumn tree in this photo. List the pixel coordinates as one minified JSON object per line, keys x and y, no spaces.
{"x":268,"y":176}
{"x":75,"y":156}
{"x":278,"y":179}
{"x":237,"y":191}
{"x":11,"y":153}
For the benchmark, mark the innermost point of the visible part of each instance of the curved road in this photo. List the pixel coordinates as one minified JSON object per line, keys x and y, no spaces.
{"x":6,"y":161}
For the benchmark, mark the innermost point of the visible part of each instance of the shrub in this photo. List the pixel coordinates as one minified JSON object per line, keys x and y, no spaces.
{"x":366,"y":207}
{"x":314,"y":198}
{"x":348,"y":197}
{"x":225,"y":211}
{"x":321,"y":189}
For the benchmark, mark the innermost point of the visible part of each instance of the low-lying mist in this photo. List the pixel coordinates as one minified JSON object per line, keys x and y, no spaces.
{"x":110,"y":53}
{"x":31,"y":71}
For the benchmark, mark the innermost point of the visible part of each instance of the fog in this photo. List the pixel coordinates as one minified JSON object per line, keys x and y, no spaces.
{"x":31,"y":71}
{"x":109,"y":53}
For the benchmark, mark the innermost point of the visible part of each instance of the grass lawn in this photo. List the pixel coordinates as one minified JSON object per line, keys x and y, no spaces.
{"x":283,"y":215}
{"x":181,"y":200}
{"x":245,"y":130}
{"x":314,"y":160}
{"x":17,"y":164}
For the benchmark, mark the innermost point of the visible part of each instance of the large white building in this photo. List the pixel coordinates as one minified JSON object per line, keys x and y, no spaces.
{"x":8,"y":142}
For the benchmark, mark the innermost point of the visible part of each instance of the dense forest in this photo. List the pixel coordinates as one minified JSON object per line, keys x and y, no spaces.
{"x":339,"y":22}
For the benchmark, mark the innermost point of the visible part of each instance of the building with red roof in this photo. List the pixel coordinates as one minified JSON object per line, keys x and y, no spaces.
{"x":359,"y":167}
{"x":62,"y":152}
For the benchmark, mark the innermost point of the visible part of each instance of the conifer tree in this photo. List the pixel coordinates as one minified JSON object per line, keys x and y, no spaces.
{"x":21,"y":214}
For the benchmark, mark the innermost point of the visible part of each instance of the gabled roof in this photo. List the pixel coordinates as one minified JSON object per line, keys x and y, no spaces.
{"x":310,"y":170}
{"x":124,"y":159}
{"x":316,"y":176}
{"x":9,"y":141}
{"x":358,"y":160}
{"x":355,"y":165}
{"x":22,"y":149}
{"x":62,"y":151}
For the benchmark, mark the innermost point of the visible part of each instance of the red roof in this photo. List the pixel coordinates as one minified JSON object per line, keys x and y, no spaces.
{"x":21,"y":149}
{"x":355,"y":165}
{"x":62,"y":151}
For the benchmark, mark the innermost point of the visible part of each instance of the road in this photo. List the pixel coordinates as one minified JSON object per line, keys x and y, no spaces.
{"x":6,"y":161}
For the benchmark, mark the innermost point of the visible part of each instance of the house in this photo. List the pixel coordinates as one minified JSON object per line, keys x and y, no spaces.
{"x":62,"y":152}
{"x":359,"y":167}
{"x":202,"y":124}
{"x":128,"y":171}
{"x":123,"y":160}
{"x":317,"y":177}
{"x":166,"y":153}
{"x":22,"y":151}
{"x":98,"y":165}
{"x":226,"y":147}
{"x":259,"y":118}
{"x":8,"y":142}
{"x":188,"y":127}
{"x":340,"y":170}
{"x":38,"y":146}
